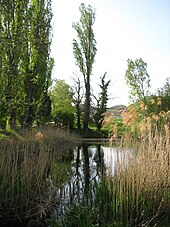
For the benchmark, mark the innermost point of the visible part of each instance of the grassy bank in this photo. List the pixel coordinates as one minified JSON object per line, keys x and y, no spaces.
{"x":24,"y":167}
{"x":138,"y":194}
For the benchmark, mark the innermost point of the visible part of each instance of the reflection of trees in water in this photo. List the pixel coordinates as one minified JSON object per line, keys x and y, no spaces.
{"x":60,"y":169}
{"x":78,"y":159}
{"x":88,"y":166}
{"x":79,"y":174}
{"x":99,"y":159}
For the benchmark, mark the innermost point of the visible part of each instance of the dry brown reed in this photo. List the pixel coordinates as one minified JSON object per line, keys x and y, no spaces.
{"x":141,"y":183}
{"x":51,"y":134}
{"x":24,"y":167}
{"x":142,"y":178}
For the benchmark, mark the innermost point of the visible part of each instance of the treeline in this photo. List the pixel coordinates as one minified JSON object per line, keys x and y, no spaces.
{"x":25,"y":63}
{"x":26,"y":67}
{"x":27,"y":95}
{"x":68,"y":103}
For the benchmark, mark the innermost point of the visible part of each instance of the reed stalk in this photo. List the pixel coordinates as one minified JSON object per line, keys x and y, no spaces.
{"x":24,"y":166}
{"x":141,"y":183}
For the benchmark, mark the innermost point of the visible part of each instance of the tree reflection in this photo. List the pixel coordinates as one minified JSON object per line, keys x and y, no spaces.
{"x":100,"y":161}
{"x":86,"y":167}
{"x":80,"y":173}
{"x":78,"y":159}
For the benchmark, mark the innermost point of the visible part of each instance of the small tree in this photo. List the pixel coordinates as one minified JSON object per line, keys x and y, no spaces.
{"x":77,"y":98}
{"x":84,"y":52}
{"x":62,"y":104}
{"x":138,"y":80}
{"x":165,"y":90}
{"x":101,"y":101}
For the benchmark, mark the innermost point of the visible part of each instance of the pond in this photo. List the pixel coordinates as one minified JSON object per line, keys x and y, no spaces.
{"x":78,"y":171}
{"x":72,"y":184}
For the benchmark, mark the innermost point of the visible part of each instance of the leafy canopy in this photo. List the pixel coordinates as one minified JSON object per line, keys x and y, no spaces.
{"x":62,"y":103}
{"x":84,"y":48}
{"x":138,"y":80}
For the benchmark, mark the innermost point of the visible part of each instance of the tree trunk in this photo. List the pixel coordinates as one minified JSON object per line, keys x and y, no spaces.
{"x":78,"y":117}
{"x":12,"y":120}
{"x":87,"y":106}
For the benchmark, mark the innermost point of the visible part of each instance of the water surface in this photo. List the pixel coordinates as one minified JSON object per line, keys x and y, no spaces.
{"x":79,"y":170}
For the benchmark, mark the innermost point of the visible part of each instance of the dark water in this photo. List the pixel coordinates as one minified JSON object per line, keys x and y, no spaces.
{"x":80,"y":168}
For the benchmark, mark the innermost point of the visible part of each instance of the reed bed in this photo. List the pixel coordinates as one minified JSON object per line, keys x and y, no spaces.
{"x":138,"y":194}
{"x":24,"y":166}
{"x":51,"y":135}
{"x":141,"y":183}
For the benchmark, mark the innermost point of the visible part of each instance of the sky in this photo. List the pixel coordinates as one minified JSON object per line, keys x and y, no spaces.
{"x":123,"y":29}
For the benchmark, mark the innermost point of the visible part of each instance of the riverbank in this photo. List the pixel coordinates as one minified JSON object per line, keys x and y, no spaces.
{"x":24,"y":167}
{"x":136,"y":193}
{"x":129,"y":188}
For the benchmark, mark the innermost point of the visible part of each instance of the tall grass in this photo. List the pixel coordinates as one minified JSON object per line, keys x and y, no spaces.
{"x":141,"y":183}
{"x":138,"y":194}
{"x":22,"y":170}
{"x":24,"y":166}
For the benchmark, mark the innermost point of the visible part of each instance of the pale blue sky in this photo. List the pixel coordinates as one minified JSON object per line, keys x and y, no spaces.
{"x":123,"y":29}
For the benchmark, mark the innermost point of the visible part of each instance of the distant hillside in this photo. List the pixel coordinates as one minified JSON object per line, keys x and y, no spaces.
{"x":117,"y":110}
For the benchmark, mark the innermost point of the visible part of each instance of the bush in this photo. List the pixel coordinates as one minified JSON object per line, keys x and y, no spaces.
{"x":64,"y":119}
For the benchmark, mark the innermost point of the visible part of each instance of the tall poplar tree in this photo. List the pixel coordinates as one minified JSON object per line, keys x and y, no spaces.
{"x":3,"y":109}
{"x":77,"y":99}
{"x":37,"y":61}
{"x":12,"y":14}
{"x":25,"y":38}
{"x":84,"y":49}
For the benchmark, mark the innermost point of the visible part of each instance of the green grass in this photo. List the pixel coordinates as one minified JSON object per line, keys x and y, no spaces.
{"x":94,"y":210}
{"x":108,"y":127}
{"x":8,"y":134}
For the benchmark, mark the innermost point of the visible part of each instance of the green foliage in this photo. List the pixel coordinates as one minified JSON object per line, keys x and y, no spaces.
{"x":25,"y":38}
{"x":62,"y":103}
{"x":84,"y":50}
{"x":63,"y":118}
{"x":165,"y":90}
{"x":164,"y":94}
{"x":156,"y":104}
{"x":101,"y":102}
{"x":137,"y":79}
